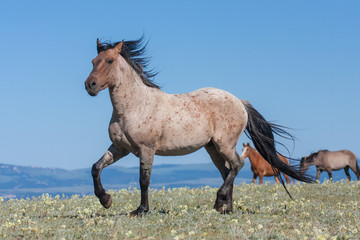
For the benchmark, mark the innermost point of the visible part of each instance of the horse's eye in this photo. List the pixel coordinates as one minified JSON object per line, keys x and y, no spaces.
{"x":110,"y":61}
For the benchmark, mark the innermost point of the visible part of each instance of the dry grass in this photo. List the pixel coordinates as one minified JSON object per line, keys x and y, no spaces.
{"x":319,"y":211}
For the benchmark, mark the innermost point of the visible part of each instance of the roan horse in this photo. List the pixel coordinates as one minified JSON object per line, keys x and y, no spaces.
{"x":259,"y":166}
{"x":147,"y":121}
{"x":328,"y":161}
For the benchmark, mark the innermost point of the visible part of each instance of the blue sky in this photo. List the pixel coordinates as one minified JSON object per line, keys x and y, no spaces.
{"x":297,"y":62}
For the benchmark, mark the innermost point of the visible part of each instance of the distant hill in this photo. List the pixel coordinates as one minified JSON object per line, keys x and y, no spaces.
{"x":21,"y":181}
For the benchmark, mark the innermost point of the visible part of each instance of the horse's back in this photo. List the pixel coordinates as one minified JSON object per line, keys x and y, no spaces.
{"x":339,"y":159}
{"x":227,"y":112}
{"x":210,"y":102}
{"x":350,"y":154}
{"x":216,"y":98}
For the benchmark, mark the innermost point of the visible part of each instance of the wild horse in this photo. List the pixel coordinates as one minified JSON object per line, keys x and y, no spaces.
{"x":147,"y":121}
{"x":328,"y":161}
{"x":259,"y":166}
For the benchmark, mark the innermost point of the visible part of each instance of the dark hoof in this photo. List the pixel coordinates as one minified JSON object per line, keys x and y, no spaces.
{"x":223,"y":208}
{"x":134,"y":213}
{"x":106,"y":200}
{"x":138,"y":212}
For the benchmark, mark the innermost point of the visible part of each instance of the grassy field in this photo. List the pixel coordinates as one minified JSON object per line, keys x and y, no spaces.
{"x":318,"y":211}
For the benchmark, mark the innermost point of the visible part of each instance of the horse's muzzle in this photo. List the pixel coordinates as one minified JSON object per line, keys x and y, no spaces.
{"x":91,"y":87}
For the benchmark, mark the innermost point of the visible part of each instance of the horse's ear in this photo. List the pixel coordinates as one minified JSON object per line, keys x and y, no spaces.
{"x":98,"y":43}
{"x":244,"y":144}
{"x":119,"y":46}
{"x":248,"y":144}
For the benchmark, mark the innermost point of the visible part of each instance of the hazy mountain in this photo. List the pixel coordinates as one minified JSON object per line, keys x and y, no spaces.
{"x":21,"y":181}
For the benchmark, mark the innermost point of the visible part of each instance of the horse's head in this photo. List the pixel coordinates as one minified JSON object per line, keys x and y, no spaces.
{"x":305,"y":163}
{"x":102,"y":74}
{"x":245,"y":151}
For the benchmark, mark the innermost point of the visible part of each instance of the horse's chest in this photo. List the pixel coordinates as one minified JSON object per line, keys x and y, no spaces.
{"x":132,"y":135}
{"x":254,"y":170}
{"x":118,"y":136}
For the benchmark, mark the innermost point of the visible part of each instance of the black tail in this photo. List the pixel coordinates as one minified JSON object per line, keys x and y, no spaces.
{"x":261,"y":133}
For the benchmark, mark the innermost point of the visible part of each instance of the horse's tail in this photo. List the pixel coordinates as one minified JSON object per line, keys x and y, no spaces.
{"x":261,"y":133}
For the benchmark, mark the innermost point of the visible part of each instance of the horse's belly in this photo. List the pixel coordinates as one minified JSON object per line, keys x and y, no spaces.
{"x":177,"y":151}
{"x":269,"y":173}
{"x":184,"y":137}
{"x":181,"y":144}
{"x":338,"y":166}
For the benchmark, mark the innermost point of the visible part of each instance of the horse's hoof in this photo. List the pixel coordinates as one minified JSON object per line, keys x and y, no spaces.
{"x":134,"y":213}
{"x":223,"y":208}
{"x":106,"y":201}
{"x":138,"y":212}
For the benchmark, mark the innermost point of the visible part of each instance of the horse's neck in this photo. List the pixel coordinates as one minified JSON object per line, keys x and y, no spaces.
{"x":253,"y":156}
{"x":131,"y":94}
{"x":316,"y":160}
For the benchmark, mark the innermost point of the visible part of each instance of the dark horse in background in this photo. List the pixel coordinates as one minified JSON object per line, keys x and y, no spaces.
{"x":147,"y":121}
{"x":328,"y":161}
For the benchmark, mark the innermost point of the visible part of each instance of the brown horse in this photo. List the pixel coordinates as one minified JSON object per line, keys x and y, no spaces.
{"x":259,"y":166}
{"x":147,"y":121}
{"x":328,"y":161}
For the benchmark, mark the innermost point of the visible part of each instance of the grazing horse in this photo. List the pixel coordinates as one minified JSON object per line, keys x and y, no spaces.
{"x":259,"y":166}
{"x":147,"y":121}
{"x":328,"y":161}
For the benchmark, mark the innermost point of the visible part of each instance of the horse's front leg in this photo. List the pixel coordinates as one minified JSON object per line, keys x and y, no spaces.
{"x":261,"y":179}
{"x":330,"y":175}
{"x":318,"y":172}
{"x":111,"y":155}
{"x":254,"y":178}
{"x":146,"y":163}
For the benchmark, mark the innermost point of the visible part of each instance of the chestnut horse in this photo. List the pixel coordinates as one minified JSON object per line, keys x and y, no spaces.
{"x":259,"y":166}
{"x":147,"y":121}
{"x":328,"y":161}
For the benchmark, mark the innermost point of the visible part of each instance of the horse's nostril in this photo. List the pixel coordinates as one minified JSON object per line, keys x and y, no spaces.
{"x":92,"y":84}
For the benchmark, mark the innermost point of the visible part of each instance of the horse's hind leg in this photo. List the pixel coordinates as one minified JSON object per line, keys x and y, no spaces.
{"x":277,"y":179}
{"x":110,"y":156}
{"x":355,"y":168}
{"x":287,"y":179}
{"x":346,"y":169}
{"x":218,"y":160}
{"x":223,"y":201}
{"x":221,"y":165}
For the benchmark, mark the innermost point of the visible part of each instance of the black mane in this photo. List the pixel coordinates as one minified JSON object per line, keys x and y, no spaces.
{"x":312,"y":155}
{"x":133,"y":52}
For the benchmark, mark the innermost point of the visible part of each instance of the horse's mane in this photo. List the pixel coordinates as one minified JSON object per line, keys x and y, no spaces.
{"x":314,"y":154}
{"x":134,"y":53}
